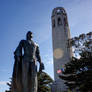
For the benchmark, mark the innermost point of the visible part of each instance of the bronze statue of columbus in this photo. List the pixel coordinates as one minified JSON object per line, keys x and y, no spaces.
{"x":24,"y":78}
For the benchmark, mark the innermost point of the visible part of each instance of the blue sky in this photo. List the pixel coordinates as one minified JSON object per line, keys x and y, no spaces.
{"x":19,"y":16}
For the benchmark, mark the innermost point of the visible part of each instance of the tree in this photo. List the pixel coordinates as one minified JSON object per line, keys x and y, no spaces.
{"x":44,"y":82}
{"x":78,"y":72}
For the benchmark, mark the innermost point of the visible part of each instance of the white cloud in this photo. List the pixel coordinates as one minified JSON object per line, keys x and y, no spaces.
{"x":50,"y":62}
{"x":3,"y":82}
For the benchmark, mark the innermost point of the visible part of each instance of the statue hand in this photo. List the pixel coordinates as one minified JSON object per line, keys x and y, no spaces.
{"x":41,"y":67}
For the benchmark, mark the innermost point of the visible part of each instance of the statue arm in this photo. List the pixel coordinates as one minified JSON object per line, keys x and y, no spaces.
{"x":39,"y":59}
{"x":38,"y":55}
{"x":18,"y":52}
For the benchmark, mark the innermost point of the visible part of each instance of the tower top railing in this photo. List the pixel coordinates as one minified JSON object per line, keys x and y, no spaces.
{"x":58,"y":10}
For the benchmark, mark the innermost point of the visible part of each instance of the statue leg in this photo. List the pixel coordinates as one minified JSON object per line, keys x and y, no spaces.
{"x":32,"y":78}
{"x":35,"y":84}
{"x":35,"y":78}
{"x":25,"y":76}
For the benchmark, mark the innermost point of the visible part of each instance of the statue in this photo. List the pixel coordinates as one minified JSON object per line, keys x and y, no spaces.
{"x":24,"y":78}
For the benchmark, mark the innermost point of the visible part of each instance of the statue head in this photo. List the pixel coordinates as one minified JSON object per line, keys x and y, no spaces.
{"x":29,"y":35}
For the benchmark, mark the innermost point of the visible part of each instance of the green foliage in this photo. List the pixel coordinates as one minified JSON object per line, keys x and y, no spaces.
{"x":44,"y":82}
{"x":78,"y":72}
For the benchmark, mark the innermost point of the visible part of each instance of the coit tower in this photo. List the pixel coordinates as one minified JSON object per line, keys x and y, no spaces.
{"x":61,"y":49}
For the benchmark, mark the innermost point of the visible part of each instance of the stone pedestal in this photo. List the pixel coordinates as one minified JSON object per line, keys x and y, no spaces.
{"x":58,"y":86}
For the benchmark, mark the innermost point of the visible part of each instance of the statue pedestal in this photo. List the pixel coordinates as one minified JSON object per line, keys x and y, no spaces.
{"x":58,"y":86}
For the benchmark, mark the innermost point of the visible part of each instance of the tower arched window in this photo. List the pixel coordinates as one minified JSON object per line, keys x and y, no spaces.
{"x":59,"y":21}
{"x":65,"y":21}
{"x":53,"y":23}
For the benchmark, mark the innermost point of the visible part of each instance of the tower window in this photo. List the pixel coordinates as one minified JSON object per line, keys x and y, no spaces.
{"x":59,"y":21}
{"x":53,"y":23}
{"x":58,"y":11}
{"x":65,"y":21}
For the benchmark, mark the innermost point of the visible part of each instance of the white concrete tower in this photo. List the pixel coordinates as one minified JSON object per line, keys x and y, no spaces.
{"x":61,"y":50}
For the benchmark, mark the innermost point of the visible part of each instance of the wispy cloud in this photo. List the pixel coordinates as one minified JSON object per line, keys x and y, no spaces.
{"x":48,"y":59}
